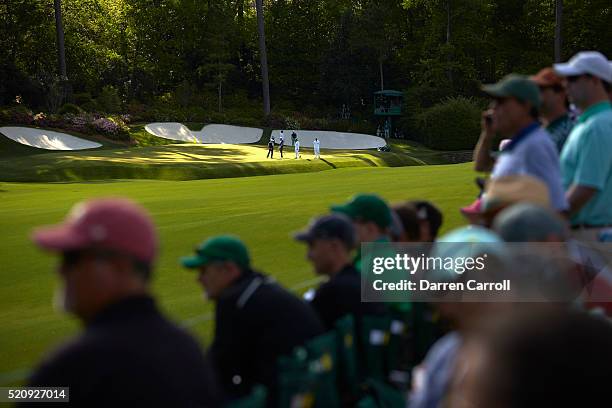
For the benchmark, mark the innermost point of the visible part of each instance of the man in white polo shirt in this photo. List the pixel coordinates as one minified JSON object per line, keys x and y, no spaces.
{"x":513,"y":114}
{"x":586,"y":159}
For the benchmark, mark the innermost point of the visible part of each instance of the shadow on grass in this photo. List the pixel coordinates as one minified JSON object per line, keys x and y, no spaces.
{"x":330,"y":164}
{"x":187,"y":162}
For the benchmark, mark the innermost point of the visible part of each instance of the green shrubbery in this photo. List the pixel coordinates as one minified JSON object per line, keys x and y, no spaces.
{"x":109,"y":101}
{"x":69,"y":108}
{"x":18,"y":115}
{"x":298,"y":120}
{"x":453,"y":124}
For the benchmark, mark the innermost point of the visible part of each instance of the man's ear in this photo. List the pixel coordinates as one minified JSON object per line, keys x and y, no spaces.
{"x":232,"y":270}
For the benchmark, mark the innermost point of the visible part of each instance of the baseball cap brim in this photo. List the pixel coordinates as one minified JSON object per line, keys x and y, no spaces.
{"x":474,"y":208}
{"x":566,"y":70}
{"x":303,"y":236}
{"x":496,"y":90}
{"x":195,"y":261}
{"x":59,"y":238}
{"x":344,"y":209}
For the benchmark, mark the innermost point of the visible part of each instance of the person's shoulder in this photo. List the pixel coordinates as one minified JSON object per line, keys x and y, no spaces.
{"x":67,"y":361}
{"x":540,"y":140}
{"x":443,"y":348}
{"x":597,"y":129}
{"x":347,"y":280}
{"x":271,"y":295}
{"x":602,"y":122}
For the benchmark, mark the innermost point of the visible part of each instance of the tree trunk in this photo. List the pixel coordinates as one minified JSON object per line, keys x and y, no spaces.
{"x":382,"y":79}
{"x":59,"y":29}
{"x":558,"y":25}
{"x":448,"y":22}
{"x":263,"y":56}
{"x":449,"y":72}
{"x":220,"y":89}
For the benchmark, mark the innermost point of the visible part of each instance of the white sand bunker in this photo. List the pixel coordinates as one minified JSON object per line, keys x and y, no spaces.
{"x":46,"y":139}
{"x":173,"y":131}
{"x":229,"y":134}
{"x":333,"y":140}
{"x":209,"y":134}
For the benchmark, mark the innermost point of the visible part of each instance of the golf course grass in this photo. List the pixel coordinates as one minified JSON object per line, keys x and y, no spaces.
{"x":264,"y":211}
{"x":154,"y":158}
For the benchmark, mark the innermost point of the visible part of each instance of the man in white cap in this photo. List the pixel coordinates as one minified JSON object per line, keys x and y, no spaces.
{"x":586,"y":159}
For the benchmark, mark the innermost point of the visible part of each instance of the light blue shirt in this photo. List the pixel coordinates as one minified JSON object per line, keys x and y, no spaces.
{"x":532,"y":152}
{"x":438,"y":370}
{"x":586,"y":160}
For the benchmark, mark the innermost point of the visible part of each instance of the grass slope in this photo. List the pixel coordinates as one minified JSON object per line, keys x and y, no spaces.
{"x":262,"y":210}
{"x":192,"y":161}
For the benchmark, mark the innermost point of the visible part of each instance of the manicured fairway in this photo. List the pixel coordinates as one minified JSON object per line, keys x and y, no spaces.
{"x":263,"y":210}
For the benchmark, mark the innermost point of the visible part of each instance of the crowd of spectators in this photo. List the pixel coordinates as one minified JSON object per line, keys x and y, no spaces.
{"x":550,"y":182}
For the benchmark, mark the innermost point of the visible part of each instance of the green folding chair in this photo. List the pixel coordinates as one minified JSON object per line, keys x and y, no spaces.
{"x":379,"y":394}
{"x":347,"y":370}
{"x":375,"y":340}
{"x":322,"y":357}
{"x":256,"y":399}
{"x":399,"y":353}
{"x":296,"y":381}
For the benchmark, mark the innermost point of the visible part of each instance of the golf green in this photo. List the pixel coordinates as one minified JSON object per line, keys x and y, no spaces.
{"x":263,"y":210}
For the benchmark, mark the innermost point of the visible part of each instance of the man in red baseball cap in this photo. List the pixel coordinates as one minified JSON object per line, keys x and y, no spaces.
{"x":111,"y":243}
{"x":554,"y":110}
{"x":129,"y":353}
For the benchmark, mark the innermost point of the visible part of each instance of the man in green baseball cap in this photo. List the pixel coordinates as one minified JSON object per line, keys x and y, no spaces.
{"x":371,"y":217}
{"x":256,"y":320}
{"x":513,"y":114}
{"x":221,"y":260}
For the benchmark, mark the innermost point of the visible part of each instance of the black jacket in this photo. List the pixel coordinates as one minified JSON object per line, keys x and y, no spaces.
{"x":130,"y":355}
{"x":340,"y":296}
{"x":257,"y":321}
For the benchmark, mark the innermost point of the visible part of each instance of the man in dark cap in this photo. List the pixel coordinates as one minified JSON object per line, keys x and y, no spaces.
{"x":129,"y":354}
{"x":330,"y":241}
{"x":256,"y":320}
{"x":270,"y":148}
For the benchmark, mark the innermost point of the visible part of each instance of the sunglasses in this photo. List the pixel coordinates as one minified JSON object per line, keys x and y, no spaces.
{"x":574,"y":78}
{"x":554,"y":88}
{"x":500,"y":101}
{"x":71,"y":258}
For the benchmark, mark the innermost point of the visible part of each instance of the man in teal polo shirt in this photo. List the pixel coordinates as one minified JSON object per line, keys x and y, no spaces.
{"x":586,"y":159}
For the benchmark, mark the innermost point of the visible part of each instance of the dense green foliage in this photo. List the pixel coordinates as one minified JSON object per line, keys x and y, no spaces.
{"x":319,"y":51}
{"x":453,"y":124}
{"x":192,"y":60}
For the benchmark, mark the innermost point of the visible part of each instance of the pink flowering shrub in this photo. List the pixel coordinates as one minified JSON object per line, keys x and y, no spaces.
{"x":19,"y":115}
{"x":113,"y":127}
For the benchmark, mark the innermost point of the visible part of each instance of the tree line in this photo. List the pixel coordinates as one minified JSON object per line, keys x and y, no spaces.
{"x":320,"y":54}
